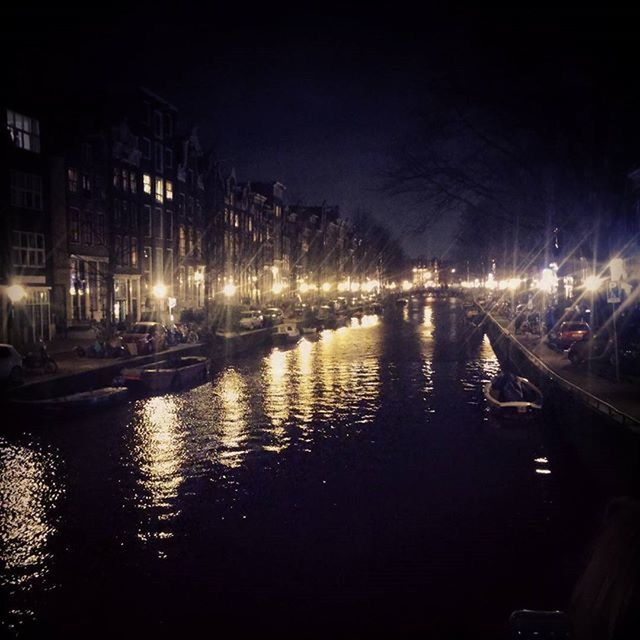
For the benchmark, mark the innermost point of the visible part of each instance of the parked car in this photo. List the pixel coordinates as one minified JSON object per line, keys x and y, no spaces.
{"x":568,"y":333}
{"x":251,"y":319}
{"x":11,"y":367}
{"x":273,"y":316}
{"x":145,"y":337}
{"x":593,"y":347}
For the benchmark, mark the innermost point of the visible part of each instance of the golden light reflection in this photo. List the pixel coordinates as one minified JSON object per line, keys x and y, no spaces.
{"x":159,"y":453}
{"x":28,"y":498}
{"x":427,"y":317}
{"x":276,"y":397}
{"x":231,"y":391}
{"x":304,"y":381}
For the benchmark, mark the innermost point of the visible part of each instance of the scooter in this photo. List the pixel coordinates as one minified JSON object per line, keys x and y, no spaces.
{"x":40,"y":360}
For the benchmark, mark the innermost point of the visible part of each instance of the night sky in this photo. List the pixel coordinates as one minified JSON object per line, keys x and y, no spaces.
{"x":320,"y":100}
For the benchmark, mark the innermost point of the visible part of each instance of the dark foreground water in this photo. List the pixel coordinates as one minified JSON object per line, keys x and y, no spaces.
{"x":349,"y":486}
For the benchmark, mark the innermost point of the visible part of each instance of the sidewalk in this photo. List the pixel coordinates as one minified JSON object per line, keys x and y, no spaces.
{"x":82,"y":373}
{"x":623,"y":395}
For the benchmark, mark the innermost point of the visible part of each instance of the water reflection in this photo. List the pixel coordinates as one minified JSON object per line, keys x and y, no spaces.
{"x":29,"y":495}
{"x":277,"y":398}
{"x":231,"y":393}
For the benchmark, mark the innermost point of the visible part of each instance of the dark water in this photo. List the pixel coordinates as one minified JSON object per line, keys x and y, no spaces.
{"x":349,"y":486}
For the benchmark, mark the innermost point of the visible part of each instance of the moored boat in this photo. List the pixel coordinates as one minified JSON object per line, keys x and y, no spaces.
{"x":82,"y":401}
{"x":288,"y":331}
{"x":511,"y":395}
{"x":167,"y":374}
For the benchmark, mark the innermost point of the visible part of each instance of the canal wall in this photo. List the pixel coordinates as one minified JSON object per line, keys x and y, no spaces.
{"x":605,"y":440}
{"x":230,"y":344}
{"x":62,"y":384}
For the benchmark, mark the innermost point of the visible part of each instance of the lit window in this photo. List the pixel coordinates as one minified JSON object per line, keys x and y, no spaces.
{"x":159,"y":190}
{"x":27,"y":249}
{"x":86,"y":185}
{"x":146,"y":183}
{"x":23,"y":131}
{"x":169,"y":190}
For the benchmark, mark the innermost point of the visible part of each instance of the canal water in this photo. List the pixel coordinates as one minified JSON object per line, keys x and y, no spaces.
{"x":349,"y":485}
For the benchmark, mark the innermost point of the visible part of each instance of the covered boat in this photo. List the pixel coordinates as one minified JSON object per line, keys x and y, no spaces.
{"x":167,"y":374}
{"x":508,"y":394}
{"x":288,"y":331}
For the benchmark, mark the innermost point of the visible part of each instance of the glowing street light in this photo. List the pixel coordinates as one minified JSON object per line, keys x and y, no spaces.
{"x":277,"y":288}
{"x":229,"y":289}
{"x":16,"y":293}
{"x":160,"y":290}
{"x":326,"y":287}
{"x":592,"y":283}
{"x":406,"y":285}
{"x":304,"y":287}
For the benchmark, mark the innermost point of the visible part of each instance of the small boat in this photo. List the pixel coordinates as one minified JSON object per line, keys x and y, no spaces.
{"x":167,"y":374}
{"x":287,"y":332}
{"x":82,"y":401}
{"x":512,"y":395}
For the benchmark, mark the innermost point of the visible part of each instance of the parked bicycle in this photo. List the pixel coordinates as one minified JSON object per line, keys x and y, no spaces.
{"x":40,"y":359}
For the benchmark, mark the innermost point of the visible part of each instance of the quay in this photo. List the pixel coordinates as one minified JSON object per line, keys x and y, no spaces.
{"x":619,"y":401}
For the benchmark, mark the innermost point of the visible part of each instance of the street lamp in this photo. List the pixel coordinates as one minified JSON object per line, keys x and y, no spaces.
{"x":16,"y":293}
{"x":229,"y":289}
{"x":160,"y":290}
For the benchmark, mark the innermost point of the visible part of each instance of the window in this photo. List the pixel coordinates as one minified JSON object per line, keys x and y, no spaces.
{"x":125,"y":180}
{"x":98,"y":230}
{"x":133,"y":217}
{"x":158,"y":157}
{"x":146,"y":220}
{"x":199,"y":243}
{"x":169,"y":190}
{"x":146,"y":262}
{"x":125,"y":214}
{"x":116,"y":178}
{"x":86,"y":185}
{"x":26,"y":190}
{"x":74,"y":224}
{"x":117,"y":248}
{"x":182,"y":241}
{"x":168,"y":125}
{"x":157,"y":223}
{"x":72,"y":180}
{"x":24,"y":132}
{"x":169,"y":267}
{"x":190,"y":211}
{"x":134,"y":252}
{"x":87,"y":234}
{"x":168,"y":220}
{"x":168,"y":158}
{"x":117,"y":213}
{"x":181,"y":205}
{"x":146,"y":148}
{"x":126,"y":251}
{"x":159,"y":190}
{"x":133,"y":182}
{"x":146,"y":183}
{"x":157,"y":124}
{"x":28,"y":249}
{"x":158,"y":265}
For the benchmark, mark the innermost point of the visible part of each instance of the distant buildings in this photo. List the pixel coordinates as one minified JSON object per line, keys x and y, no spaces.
{"x":120,"y":214}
